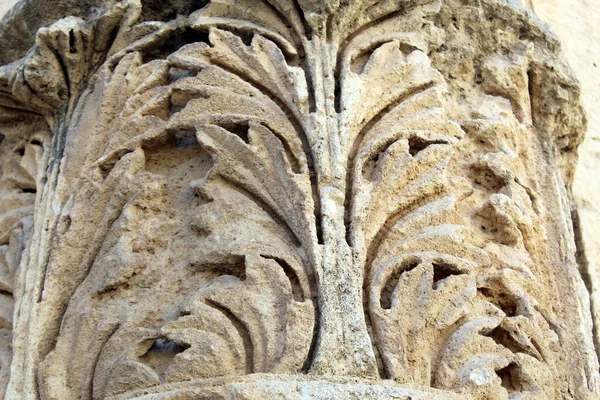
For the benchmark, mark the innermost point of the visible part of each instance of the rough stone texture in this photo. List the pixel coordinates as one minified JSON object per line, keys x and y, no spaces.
{"x":278,"y":199}
{"x":576,"y":23}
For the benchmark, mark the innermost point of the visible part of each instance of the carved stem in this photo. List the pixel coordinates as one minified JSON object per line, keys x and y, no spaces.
{"x":343,"y":346}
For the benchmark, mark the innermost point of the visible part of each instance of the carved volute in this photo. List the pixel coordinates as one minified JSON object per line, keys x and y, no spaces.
{"x":257,"y":199}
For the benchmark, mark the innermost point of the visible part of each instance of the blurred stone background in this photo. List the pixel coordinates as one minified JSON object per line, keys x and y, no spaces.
{"x":577,"y":23}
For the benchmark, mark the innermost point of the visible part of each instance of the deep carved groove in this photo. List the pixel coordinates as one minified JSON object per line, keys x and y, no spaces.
{"x":392,"y":282}
{"x":242,"y":331}
{"x":297,"y":292}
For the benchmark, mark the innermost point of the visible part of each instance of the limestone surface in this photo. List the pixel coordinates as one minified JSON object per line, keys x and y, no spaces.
{"x":576,"y":25}
{"x":289,"y":199}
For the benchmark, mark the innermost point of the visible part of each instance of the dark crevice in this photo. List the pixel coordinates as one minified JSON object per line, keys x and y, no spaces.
{"x":65,"y":73}
{"x":111,"y":38}
{"x":442,"y":271}
{"x":417,"y":144}
{"x":511,"y":378}
{"x":316,"y":195}
{"x":246,"y":37}
{"x":310,"y":88}
{"x":161,"y":355}
{"x":381,"y":369}
{"x":242,"y":331}
{"x":315,"y":337}
{"x":308,"y":31}
{"x":392,"y":282}
{"x":530,"y":88}
{"x":240,"y":129}
{"x":337,"y":91}
{"x":174,"y":42}
{"x":504,"y":338}
{"x":584,"y":270}
{"x":388,"y":290}
{"x":158,"y":10}
{"x":72,"y":42}
{"x":503,"y":301}
{"x":329,"y":27}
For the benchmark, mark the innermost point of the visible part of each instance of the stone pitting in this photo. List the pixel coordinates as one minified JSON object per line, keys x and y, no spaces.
{"x":244,"y":199}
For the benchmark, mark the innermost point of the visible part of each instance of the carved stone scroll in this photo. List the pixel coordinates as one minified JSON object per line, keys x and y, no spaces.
{"x":291,"y":199}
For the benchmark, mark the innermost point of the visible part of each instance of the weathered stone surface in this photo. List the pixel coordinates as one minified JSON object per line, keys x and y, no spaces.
{"x":576,"y":23}
{"x":258,"y":199}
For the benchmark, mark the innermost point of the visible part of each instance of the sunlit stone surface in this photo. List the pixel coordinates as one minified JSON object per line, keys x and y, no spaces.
{"x":289,"y":199}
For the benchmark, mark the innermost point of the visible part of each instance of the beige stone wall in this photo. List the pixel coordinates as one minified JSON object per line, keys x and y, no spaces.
{"x":576,"y":23}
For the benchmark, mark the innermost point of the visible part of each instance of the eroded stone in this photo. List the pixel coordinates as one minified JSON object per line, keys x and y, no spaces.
{"x":366,"y":197}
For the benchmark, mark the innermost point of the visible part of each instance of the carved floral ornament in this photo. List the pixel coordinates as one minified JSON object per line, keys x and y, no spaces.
{"x":270,"y":192}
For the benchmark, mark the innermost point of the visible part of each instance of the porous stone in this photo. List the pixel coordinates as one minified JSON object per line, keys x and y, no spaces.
{"x":576,"y":24}
{"x":290,"y":199}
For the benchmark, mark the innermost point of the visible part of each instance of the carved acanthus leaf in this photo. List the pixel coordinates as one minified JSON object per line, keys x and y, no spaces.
{"x":281,"y":176}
